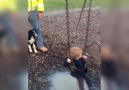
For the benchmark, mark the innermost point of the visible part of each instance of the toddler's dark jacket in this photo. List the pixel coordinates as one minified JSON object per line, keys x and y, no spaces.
{"x":77,"y":66}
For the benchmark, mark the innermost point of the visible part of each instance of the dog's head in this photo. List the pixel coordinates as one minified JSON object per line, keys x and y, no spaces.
{"x":31,"y":36}
{"x":31,"y":33}
{"x":75,"y":52}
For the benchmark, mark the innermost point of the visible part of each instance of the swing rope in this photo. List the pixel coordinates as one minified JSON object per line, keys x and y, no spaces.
{"x":68,"y":24}
{"x":87,"y":27}
{"x":87,"y":32}
{"x":84,"y":4}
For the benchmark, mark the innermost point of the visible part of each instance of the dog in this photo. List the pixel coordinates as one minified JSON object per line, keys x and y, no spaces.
{"x":32,"y":41}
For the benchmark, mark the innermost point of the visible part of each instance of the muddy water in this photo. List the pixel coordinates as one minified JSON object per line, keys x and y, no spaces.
{"x":64,"y":81}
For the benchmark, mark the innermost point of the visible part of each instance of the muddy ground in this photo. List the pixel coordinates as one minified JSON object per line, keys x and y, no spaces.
{"x":43,"y":65}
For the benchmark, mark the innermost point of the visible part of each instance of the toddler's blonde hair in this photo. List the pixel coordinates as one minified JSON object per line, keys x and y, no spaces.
{"x":75,"y":52}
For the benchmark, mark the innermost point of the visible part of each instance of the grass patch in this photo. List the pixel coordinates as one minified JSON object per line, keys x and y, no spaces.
{"x":22,"y":4}
{"x":60,"y":4}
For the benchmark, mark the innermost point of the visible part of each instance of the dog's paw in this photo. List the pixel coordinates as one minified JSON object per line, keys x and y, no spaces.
{"x":30,"y":51}
{"x":36,"y":52}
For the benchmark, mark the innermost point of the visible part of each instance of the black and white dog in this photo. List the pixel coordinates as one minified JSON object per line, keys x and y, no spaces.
{"x":32,"y":41}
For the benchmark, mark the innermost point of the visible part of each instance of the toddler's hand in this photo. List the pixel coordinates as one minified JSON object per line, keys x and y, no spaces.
{"x":69,"y":60}
{"x":85,"y":57}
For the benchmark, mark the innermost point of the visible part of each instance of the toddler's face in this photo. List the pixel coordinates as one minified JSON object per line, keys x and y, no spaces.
{"x":75,"y":52}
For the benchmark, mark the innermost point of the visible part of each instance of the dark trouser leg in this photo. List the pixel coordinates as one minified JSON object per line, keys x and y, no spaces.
{"x":87,"y":79}
{"x":80,"y":82}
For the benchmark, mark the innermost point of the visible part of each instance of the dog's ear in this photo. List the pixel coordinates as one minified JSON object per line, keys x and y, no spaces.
{"x":29,"y":31}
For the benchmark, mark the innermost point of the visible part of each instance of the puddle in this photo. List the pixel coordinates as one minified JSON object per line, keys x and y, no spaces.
{"x":63,"y":81}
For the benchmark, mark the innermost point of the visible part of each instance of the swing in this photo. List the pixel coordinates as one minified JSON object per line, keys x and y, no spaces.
{"x":87,"y":27}
{"x":72,"y":67}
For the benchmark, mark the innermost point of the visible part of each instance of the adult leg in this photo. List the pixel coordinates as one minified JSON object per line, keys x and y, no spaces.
{"x":35,"y":22}
{"x":7,"y":24}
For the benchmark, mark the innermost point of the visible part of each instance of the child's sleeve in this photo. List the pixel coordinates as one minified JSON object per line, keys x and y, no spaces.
{"x":84,"y":58}
{"x":40,"y":5}
{"x":66,"y":64}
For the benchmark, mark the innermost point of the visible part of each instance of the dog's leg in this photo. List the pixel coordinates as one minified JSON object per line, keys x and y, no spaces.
{"x":35,"y":50}
{"x":30,"y":49}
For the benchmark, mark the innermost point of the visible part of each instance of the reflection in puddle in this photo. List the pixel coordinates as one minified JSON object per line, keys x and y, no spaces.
{"x":24,"y":80}
{"x":63,"y":81}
